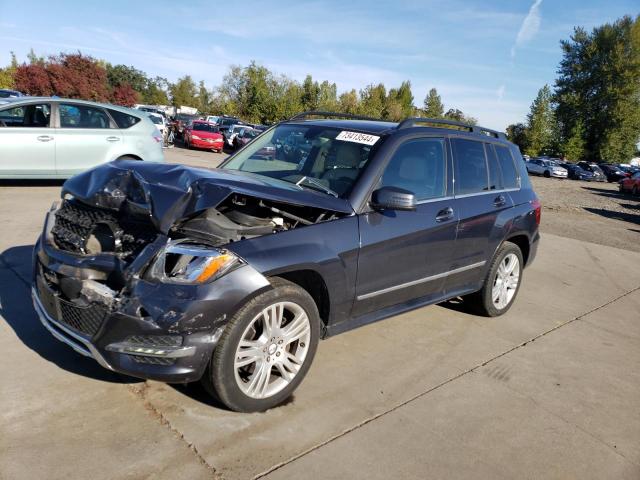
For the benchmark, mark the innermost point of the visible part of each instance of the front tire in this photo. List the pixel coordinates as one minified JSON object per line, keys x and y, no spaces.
{"x":547,"y":174}
{"x":265,"y":350}
{"x":501,"y":284}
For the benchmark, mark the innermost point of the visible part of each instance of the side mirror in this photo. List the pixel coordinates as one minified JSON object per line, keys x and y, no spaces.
{"x":393,"y":198}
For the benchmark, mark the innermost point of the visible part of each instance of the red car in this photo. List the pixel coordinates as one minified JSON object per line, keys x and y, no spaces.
{"x":201,"y":134}
{"x":631,"y":184}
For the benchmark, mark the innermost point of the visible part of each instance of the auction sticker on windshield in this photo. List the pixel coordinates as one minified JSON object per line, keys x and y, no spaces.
{"x":356,"y":137}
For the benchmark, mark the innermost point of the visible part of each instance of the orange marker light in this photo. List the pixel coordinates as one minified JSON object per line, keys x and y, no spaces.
{"x":213,"y":266}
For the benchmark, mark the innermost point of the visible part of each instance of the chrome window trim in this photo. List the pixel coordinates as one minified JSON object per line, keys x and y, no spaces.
{"x":435,"y":199}
{"x":421,"y":280}
{"x":504,"y":190}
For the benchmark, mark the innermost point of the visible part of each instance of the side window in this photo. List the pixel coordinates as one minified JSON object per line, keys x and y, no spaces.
{"x":418,"y":166}
{"x":35,"y":116}
{"x":82,"y":116}
{"x":507,"y":167}
{"x":495,"y":175}
{"x":124,"y":120}
{"x":471,"y":166}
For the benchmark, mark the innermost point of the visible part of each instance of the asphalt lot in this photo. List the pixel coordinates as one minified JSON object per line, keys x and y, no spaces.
{"x":550,"y":390}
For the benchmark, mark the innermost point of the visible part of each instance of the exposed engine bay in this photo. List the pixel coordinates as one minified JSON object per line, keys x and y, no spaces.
{"x":80,"y":228}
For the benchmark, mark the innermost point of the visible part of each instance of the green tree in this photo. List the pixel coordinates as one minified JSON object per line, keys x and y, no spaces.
{"x":433,"y":107}
{"x":400,"y":102}
{"x":155,"y":93}
{"x":7,"y":73}
{"x":459,"y":116}
{"x":541,"y":125}
{"x":574,"y":148}
{"x":348,"y":102}
{"x":598,"y":84}
{"x":310,"y":94}
{"x":517,"y":133}
{"x":184,"y":92}
{"x":118,"y":75}
{"x":204,"y":98}
{"x":373,"y":101}
{"x":327,"y":97}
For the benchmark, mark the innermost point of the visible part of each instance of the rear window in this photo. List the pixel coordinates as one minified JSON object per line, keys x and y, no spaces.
{"x":471,"y":167}
{"x":507,"y":167}
{"x":124,"y":120}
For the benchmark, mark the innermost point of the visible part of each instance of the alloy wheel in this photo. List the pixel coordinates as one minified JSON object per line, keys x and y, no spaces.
{"x":506,"y":281}
{"x":272,"y":349}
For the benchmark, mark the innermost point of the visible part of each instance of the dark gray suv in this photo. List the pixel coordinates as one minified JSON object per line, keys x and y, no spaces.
{"x":232,"y":275}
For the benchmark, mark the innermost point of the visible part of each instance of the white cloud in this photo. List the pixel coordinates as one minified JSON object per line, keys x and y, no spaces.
{"x":529,"y":28}
{"x":500,"y":92}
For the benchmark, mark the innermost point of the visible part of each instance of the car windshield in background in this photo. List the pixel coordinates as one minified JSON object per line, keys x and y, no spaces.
{"x":205,"y":127}
{"x":156,"y":120}
{"x":250,"y":133}
{"x":312,"y":156}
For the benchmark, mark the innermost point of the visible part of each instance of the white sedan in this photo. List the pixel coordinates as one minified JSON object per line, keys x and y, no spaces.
{"x":42,"y":137}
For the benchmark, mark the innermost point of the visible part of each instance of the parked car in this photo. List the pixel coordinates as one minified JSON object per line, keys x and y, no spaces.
{"x":232,"y":275}
{"x":612,"y":172}
{"x":57,"y":138}
{"x":244,"y":136}
{"x":576,"y":172}
{"x":545,"y":167}
{"x":598,"y":174}
{"x":212,"y":119}
{"x":231,"y":132}
{"x":159,"y":121}
{"x":5,"y":93}
{"x":630,"y":184}
{"x":180,"y":122}
{"x":201,"y":134}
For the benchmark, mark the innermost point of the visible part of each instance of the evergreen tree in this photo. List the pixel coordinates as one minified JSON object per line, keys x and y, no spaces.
{"x":541,"y":125}
{"x":574,"y":148}
{"x":433,"y":107}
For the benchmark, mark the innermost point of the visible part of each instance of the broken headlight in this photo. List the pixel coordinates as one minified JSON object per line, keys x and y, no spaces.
{"x":187,"y":263}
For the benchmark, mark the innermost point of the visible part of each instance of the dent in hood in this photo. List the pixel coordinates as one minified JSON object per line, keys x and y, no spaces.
{"x":170,"y":192}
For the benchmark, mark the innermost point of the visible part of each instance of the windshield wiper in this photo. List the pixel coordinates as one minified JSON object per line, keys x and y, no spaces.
{"x":315,"y":183}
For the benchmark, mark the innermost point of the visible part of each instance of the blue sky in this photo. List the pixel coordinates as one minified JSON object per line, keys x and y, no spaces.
{"x":486,"y":58}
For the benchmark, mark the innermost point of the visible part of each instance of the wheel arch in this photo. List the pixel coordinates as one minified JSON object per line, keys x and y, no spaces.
{"x":314,"y":284}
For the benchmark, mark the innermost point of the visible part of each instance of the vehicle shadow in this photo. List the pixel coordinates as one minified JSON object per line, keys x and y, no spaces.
{"x":17,"y":311}
{"x":197,"y":392}
{"x":606,"y":193}
{"x":625,"y":217}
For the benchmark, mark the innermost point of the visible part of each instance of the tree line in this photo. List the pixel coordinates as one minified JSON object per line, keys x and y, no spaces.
{"x":252,"y":92}
{"x":593,"y":111}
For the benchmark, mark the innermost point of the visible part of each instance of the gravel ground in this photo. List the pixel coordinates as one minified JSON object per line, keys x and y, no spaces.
{"x":590,"y":211}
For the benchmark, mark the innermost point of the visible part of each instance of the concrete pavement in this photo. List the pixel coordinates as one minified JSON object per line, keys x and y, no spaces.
{"x":550,"y":390}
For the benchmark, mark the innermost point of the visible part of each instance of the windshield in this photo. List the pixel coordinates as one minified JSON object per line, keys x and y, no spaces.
{"x":205,"y":127}
{"x":310,"y":156}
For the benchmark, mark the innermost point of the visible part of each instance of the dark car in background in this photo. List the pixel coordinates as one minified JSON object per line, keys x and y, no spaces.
{"x":576,"y":172}
{"x":598,"y":174}
{"x":4,"y":93}
{"x":180,"y":122}
{"x":612,"y":172}
{"x":244,"y":136}
{"x":232,"y":275}
{"x":630,"y":184}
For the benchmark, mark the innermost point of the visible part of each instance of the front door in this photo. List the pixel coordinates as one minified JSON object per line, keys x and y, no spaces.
{"x":27,"y":142}
{"x":405,"y":255}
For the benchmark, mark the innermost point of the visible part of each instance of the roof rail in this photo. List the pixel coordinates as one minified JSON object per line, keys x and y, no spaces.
{"x":411,"y":122}
{"x":320,"y":113}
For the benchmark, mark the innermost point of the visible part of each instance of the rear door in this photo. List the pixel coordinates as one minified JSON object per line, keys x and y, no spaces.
{"x":482,"y":202}
{"x":405,"y":255}
{"x":27,"y":141}
{"x":86,"y":137}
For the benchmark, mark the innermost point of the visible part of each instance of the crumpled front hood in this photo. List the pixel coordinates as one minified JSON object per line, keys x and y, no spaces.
{"x":170,"y":192}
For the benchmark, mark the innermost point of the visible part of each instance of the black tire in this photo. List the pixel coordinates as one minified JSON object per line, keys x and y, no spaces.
{"x":547,"y":174}
{"x":220,"y":380}
{"x":634,"y":191}
{"x":481,"y":301}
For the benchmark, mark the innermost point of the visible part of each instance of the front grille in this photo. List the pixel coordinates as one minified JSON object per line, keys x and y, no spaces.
{"x":76,"y":222}
{"x":83,"y":319}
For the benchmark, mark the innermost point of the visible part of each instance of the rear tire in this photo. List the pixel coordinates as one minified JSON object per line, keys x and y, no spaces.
{"x":501,"y":284}
{"x":265,"y":350}
{"x":634,"y":191}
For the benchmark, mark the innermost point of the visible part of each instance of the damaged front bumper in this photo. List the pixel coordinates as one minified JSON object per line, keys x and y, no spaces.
{"x":145,"y":329}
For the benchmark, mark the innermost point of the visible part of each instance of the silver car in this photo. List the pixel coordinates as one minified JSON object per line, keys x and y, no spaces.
{"x":43,"y":137}
{"x":546,"y":167}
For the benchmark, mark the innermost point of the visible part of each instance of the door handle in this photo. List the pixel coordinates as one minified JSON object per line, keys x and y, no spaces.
{"x":44,"y":138}
{"x":444,"y":214}
{"x":113,"y":139}
{"x":499,"y":201}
